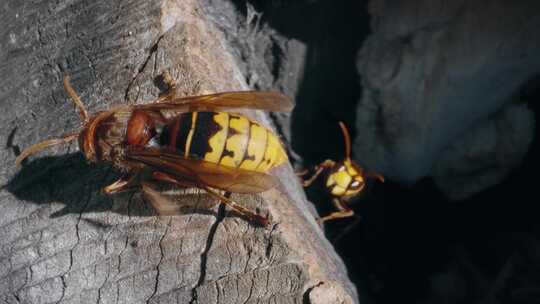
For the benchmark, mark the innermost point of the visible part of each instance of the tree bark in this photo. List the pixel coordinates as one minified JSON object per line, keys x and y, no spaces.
{"x":62,"y":241}
{"x":442,"y":83}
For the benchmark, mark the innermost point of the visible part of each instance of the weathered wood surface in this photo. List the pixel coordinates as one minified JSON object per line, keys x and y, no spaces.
{"x":61,"y":241}
{"x":442,"y":83}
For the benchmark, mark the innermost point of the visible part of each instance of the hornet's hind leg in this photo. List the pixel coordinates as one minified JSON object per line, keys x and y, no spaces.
{"x":161,"y":176}
{"x":124,"y":183}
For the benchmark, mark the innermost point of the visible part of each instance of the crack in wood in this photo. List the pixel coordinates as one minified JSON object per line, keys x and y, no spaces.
{"x":104,"y":282}
{"x":160,"y":260}
{"x":62,"y":277}
{"x":305,"y":297}
{"x":153,"y":50}
{"x":204,"y":255}
{"x":270,"y":244}
{"x":64,"y":286}
{"x":14,"y":147}
{"x":250,"y":291}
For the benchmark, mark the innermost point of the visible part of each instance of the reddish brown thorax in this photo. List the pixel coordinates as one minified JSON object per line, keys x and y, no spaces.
{"x":140,"y":129}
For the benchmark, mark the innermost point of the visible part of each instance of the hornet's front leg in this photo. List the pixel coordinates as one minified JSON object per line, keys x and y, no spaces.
{"x":327,"y":164}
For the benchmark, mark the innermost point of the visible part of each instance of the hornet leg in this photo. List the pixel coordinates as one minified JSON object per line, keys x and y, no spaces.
{"x":125,"y":183}
{"x":76,"y":99}
{"x":234,"y":205}
{"x":170,"y":94}
{"x":327,"y":164}
{"x":343,"y":212}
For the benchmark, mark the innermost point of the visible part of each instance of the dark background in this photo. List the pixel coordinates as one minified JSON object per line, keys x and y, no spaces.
{"x":408,"y":243}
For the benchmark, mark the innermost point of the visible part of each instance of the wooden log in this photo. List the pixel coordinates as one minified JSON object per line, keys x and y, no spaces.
{"x":62,"y":241}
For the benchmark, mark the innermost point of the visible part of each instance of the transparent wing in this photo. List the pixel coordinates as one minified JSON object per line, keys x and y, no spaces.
{"x":258,"y":100}
{"x":202,"y":172}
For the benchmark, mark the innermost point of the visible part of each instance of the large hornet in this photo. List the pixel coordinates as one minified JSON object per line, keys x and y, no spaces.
{"x":344,"y":180}
{"x":188,"y":142}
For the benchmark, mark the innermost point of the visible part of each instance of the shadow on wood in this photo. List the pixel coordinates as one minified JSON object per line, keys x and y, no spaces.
{"x":63,"y":178}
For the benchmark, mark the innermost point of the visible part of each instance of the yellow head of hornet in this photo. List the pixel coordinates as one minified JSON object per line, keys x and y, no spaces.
{"x":345,"y":179}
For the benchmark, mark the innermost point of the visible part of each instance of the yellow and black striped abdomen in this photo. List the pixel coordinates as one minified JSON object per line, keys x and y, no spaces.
{"x":224,"y":138}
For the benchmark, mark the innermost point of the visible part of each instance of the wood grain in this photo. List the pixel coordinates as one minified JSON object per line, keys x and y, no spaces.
{"x":62,"y":241}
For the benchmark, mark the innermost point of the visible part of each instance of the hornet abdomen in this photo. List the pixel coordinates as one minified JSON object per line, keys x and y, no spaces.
{"x":223,"y":138}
